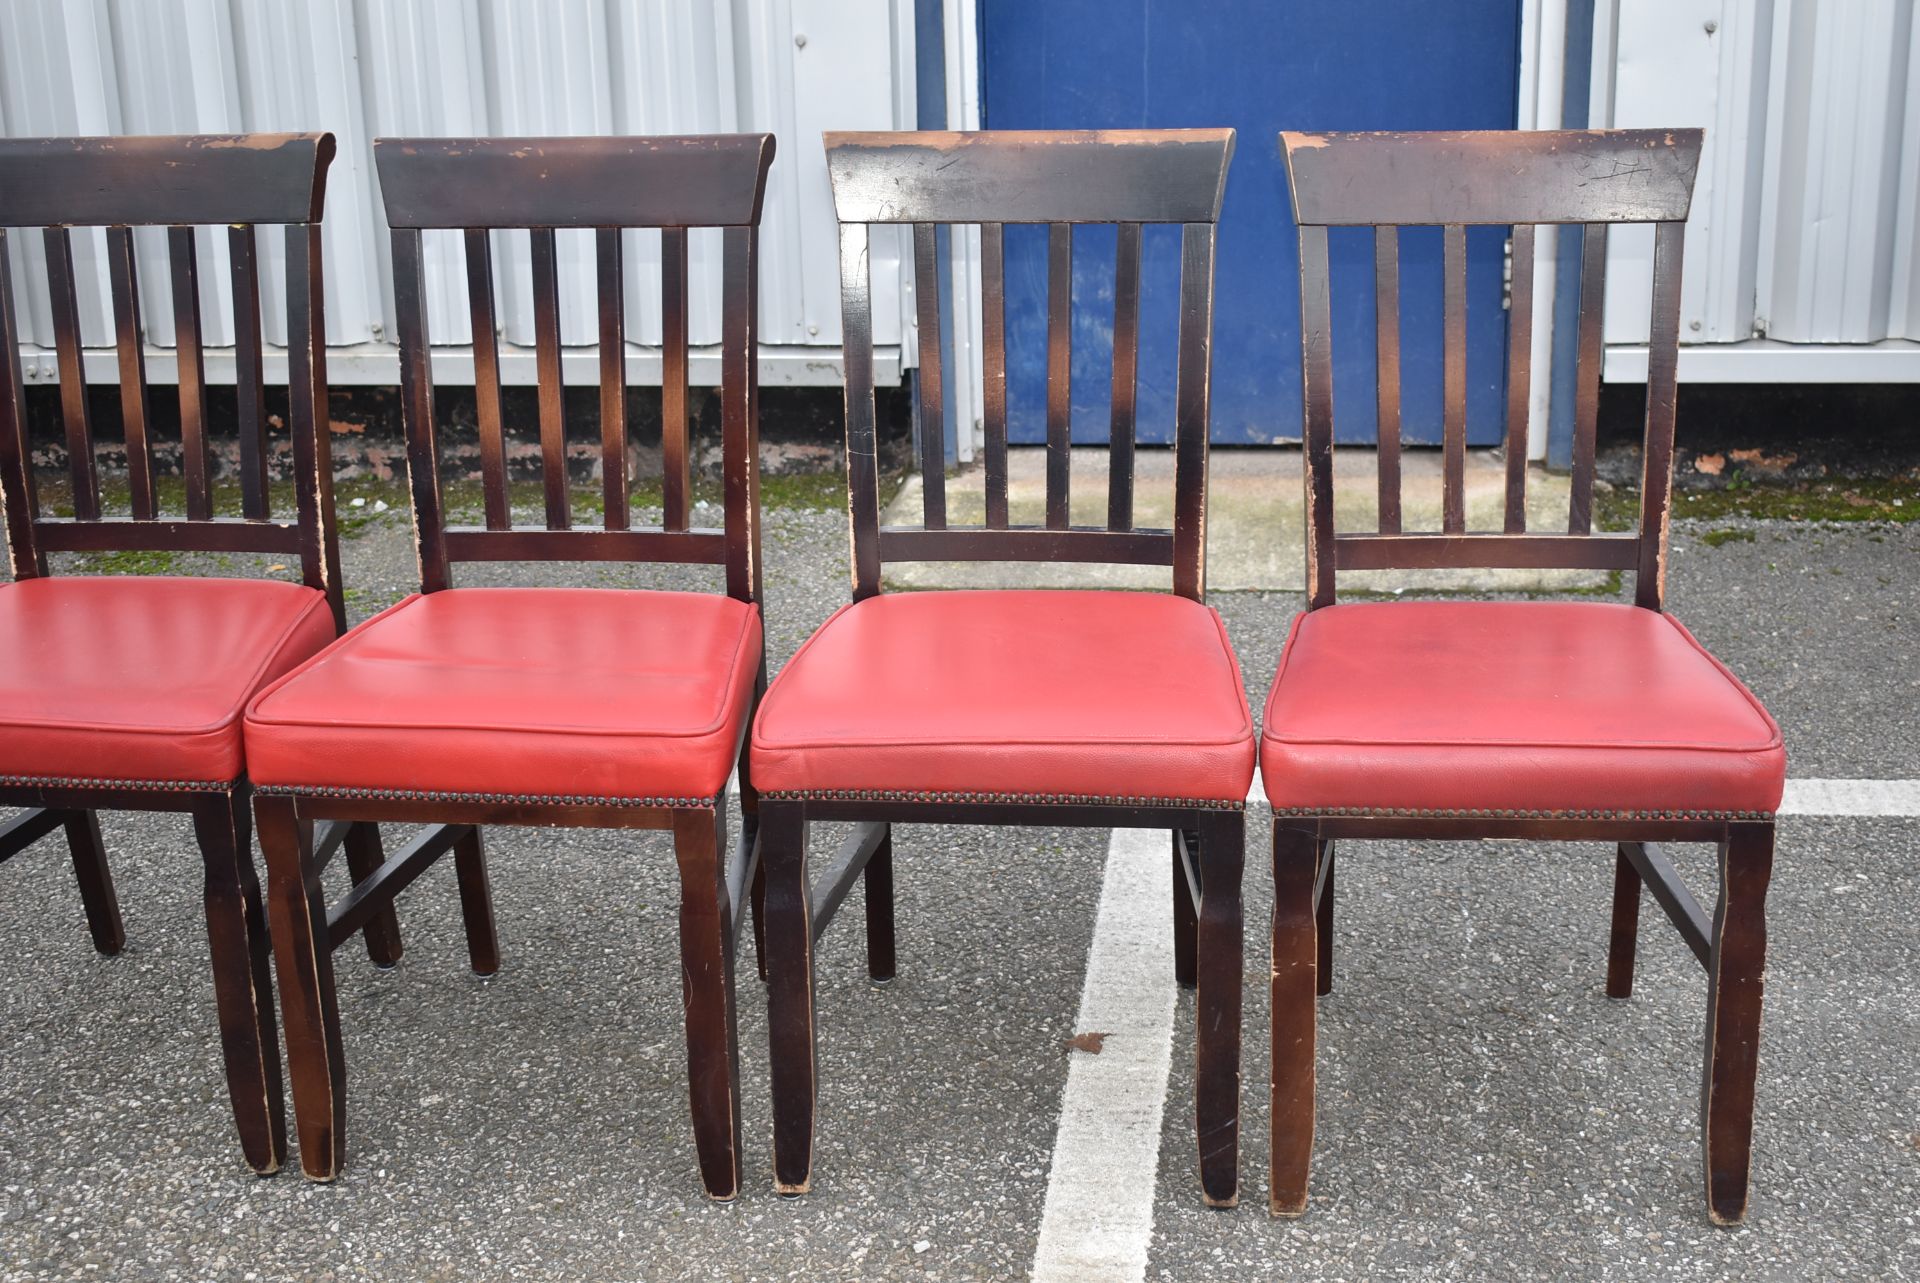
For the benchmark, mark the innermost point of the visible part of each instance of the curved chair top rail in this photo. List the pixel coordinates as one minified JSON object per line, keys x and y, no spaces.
{"x":1592,"y":179}
{"x":993,"y":178}
{"x":239,"y":180}
{"x":710,"y":180}
{"x":163,"y":180}
{"x":483,"y":185}
{"x":1030,"y":176}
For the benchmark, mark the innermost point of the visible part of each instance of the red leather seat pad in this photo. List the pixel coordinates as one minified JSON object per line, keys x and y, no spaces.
{"x":540,"y":692}
{"x":1512,"y":705}
{"x":1101,"y":694}
{"x":143,"y":678}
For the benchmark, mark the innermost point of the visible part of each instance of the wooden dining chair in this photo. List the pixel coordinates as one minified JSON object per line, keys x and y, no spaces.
{"x":1104,"y":709}
{"x":1542,"y":719}
{"x":124,"y":692}
{"x":595,"y":708}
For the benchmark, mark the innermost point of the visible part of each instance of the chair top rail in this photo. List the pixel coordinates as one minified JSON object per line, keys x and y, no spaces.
{"x":1009,"y":176}
{"x":163,"y":180}
{"x":708,"y":180}
{"x":1492,"y":176}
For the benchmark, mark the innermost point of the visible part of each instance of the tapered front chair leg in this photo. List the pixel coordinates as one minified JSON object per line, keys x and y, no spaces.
{"x":1294,"y":957}
{"x":96,"y":882}
{"x":1220,"y":974}
{"x":1734,"y":978}
{"x":790,"y":1030}
{"x":1624,"y":937}
{"x":706,"y":977}
{"x":1186,"y":916}
{"x":242,"y":983}
{"x":876,"y":886}
{"x":476,"y":902}
{"x":303,"y":956}
{"x":364,"y":858}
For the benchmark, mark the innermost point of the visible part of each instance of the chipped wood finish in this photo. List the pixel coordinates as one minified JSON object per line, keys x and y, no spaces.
{"x":1294,"y":950}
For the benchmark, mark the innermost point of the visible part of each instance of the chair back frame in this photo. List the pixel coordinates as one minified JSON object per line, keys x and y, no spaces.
{"x":992,"y":178}
{"x":1389,"y":180}
{"x":57,"y":184}
{"x":479,"y":185}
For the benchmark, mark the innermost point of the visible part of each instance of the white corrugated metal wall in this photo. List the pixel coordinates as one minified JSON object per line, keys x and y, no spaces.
{"x":1803,"y":251}
{"x":367,"y":68}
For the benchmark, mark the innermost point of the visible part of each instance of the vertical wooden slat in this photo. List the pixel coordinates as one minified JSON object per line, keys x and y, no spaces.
{"x":416,"y":405}
{"x":196,"y":460}
{"x":1316,"y":360}
{"x":1190,"y":412}
{"x":486,"y":380}
{"x":1386,"y":339}
{"x":1126,"y":377}
{"x":248,"y":376}
{"x":17,"y":499}
{"x":307,"y":400}
{"x":856,"y":337}
{"x":1519,"y":374}
{"x":676,"y":476}
{"x":1663,"y":360}
{"x":613,"y":381}
{"x":1586,"y":387}
{"x":546,"y":344}
{"x":124,"y":278}
{"x":993,"y":398}
{"x":740,"y":408}
{"x":933,"y":421}
{"x":1059,"y":372}
{"x":1454,"y":403}
{"x":73,"y":375}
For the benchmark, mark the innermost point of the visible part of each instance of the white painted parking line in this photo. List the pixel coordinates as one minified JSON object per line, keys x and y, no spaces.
{"x":1885,"y":798}
{"x":1097,"y":1223}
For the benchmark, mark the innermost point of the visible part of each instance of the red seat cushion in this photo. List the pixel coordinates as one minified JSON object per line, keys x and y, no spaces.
{"x":1057,"y":694}
{"x":142,"y":678}
{"x":523,"y":692}
{"x":1529,"y":706}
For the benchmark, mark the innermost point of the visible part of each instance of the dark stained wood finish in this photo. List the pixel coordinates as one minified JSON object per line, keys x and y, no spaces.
{"x":1386,"y":339}
{"x":1521,"y":178}
{"x":676,"y":477}
{"x":365,"y":856}
{"x":932,"y":392}
{"x":572,"y":174}
{"x":486,"y":380}
{"x":1590,"y":352}
{"x":613,"y":381}
{"x":1454,"y":394}
{"x":180,"y":183}
{"x":1060,"y":179}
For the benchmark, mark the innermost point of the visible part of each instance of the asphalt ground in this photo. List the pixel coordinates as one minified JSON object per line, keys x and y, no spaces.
{"x":1484,"y":1110}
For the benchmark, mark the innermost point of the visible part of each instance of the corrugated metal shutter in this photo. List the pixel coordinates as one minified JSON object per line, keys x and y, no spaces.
{"x":450,"y":67}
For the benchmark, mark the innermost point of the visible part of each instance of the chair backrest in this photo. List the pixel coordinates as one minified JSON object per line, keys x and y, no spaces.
{"x":239,"y":180}
{"x":1390,"y":180}
{"x":994,"y":178}
{"x":481,"y":185}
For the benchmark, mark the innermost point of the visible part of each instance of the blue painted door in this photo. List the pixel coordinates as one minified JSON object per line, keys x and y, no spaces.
{"x":1259,"y":66}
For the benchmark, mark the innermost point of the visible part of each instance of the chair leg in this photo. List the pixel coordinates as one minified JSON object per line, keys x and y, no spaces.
{"x":1734,"y":979}
{"x":1186,"y":918}
{"x":476,"y":903}
{"x":309,"y":1007}
{"x":364,"y":858}
{"x":876,"y":884}
{"x":757,"y":910}
{"x":1295,"y":956}
{"x":96,"y":882}
{"x":790,"y":1028}
{"x":1624,"y":939}
{"x":706,"y":977}
{"x":242,"y":983}
{"x":1323,"y":921}
{"x":1221,"y":973}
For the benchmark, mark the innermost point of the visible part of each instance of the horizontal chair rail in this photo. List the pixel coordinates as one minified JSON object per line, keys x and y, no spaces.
{"x":1489,"y":550}
{"x":1028,"y":543}
{"x":848,"y":863}
{"x":1090,"y":814}
{"x":217,"y":534}
{"x":193,"y":179}
{"x":694,"y":547}
{"x":691,"y":181}
{"x":377,"y":891}
{"x":1660,"y":877}
{"x":1091,"y":176}
{"x":1544,"y":176}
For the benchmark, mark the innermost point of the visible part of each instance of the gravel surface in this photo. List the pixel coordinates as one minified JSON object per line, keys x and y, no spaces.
{"x":1485,"y":1112}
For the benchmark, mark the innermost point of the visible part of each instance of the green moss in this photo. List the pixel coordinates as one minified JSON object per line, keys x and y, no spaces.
{"x":1848,"y":500}
{"x":1716,"y":538}
{"x":127,"y":562}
